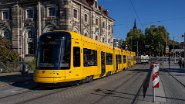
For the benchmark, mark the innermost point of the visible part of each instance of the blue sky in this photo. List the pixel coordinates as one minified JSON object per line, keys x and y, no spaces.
{"x":169,"y":13}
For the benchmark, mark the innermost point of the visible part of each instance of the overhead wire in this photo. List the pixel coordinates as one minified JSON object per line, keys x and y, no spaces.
{"x":164,"y":20}
{"x":132,"y":4}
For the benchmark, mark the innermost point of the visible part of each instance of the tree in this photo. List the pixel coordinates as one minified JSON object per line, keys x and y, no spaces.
{"x":133,"y":36}
{"x":6,"y":53}
{"x":152,"y":42}
{"x":157,"y":38}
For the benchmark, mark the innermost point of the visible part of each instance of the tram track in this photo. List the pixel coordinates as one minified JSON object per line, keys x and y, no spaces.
{"x":37,"y":92}
{"x":167,"y":70}
{"x":42,"y":96}
{"x":109,"y":92}
{"x":174,"y":88}
{"x":19,"y":90}
{"x":175,"y":78}
{"x":41,"y":93}
{"x":143,"y":87}
{"x":64,"y":89}
{"x":132,"y":78}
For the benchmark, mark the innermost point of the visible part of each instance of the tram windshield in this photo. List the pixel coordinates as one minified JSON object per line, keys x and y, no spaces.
{"x":54,"y":51}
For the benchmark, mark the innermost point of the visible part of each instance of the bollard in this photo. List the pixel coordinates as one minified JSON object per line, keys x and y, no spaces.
{"x":155,"y":77}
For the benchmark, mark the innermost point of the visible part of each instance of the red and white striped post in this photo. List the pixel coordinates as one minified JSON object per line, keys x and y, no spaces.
{"x":155,"y":77}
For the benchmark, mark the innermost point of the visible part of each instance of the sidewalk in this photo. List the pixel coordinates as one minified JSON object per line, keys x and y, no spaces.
{"x":176,"y":72}
{"x":14,"y":77}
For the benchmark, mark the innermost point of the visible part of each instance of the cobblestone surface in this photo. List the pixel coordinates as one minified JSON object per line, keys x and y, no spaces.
{"x":120,"y":88}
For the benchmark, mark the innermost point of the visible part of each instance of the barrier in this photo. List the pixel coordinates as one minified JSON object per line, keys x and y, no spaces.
{"x":155,"y":77}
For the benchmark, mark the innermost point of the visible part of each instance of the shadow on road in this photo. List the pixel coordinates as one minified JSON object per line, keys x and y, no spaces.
{"x":16,"y":79}
{"x":146,"y":82}
{"x":134,"y":96}
{"x":176,"y":70}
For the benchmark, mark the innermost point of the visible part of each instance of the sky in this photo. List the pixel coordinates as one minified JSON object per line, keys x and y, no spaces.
{"x":168,"y":13}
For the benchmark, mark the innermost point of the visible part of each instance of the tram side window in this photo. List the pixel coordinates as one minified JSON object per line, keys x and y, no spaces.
{"x":76,"y":56}
{"x":90,"y":57}
{"x":124,"y":58}
{"x":108,"y":59}
{"x":119,"y":59}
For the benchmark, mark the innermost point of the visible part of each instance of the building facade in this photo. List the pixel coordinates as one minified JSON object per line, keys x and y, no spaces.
{"x":23,"y":21}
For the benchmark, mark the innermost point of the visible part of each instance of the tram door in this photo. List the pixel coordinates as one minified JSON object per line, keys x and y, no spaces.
{"x":116,"y":63}
{"x":102,"y":63}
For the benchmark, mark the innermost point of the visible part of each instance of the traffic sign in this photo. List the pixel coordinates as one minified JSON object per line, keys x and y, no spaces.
{"x":167,"y":49}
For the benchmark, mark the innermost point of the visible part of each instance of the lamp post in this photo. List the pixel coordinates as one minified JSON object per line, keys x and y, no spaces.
{"x":137,"y":48}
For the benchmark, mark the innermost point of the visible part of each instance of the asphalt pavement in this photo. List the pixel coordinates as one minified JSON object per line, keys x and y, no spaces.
{"x":14,"y":77}
{"x":171,"y":90}
{"x":173,"y":80}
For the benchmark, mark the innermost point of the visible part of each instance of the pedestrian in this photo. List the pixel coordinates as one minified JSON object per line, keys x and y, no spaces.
{"x":180,"y":63}
{"x":169,"y":62}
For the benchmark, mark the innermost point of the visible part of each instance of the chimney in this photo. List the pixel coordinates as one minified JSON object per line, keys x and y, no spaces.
{"x":106,"y":12}
{"x":90,"y":2}
{"x":100,"y":8}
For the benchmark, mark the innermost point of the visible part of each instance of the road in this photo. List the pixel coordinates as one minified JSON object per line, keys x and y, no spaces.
{"x":131,"y":86}
{"x":174,"y":89}
{"x":122,"y":88}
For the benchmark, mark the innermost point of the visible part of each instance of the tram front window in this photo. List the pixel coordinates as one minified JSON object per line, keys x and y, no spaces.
{"x":54,"y":52}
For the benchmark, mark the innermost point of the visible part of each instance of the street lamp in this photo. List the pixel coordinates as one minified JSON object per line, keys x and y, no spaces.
{"x":137,"y":48}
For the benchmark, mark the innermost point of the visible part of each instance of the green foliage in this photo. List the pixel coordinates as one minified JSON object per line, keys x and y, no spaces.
{"x":152,"y":42}
{"x":134,"y":36}
{"x":32,"y":64}
{"x":6,"y":53}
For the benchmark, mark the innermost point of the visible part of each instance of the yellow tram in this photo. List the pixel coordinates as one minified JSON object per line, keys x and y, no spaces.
{"x":65,"y":56}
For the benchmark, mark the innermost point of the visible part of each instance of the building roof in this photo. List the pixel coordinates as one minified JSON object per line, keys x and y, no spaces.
{"x":87,"y":2}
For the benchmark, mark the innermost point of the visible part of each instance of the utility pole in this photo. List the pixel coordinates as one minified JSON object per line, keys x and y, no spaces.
{"x":174,"y":53}
{"x":39,"y":19}
{"x":137,"y":48}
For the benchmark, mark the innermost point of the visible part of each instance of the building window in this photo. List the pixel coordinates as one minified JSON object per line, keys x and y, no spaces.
{"x":75,"y":13}
{"x":109,"y":27}
{"x":103,"y":40}
{"x":103,"y":24}
{"x":5,"y":15}
{"x":5,"y":34}
{"x":29,"y":13}
{"x":85,"y":34}
{"x":51,"y":12}
{"x":31,"y":47}
{"x":97,"y":21}
{"x":86,"y":18}
{"x":96,"y":38}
